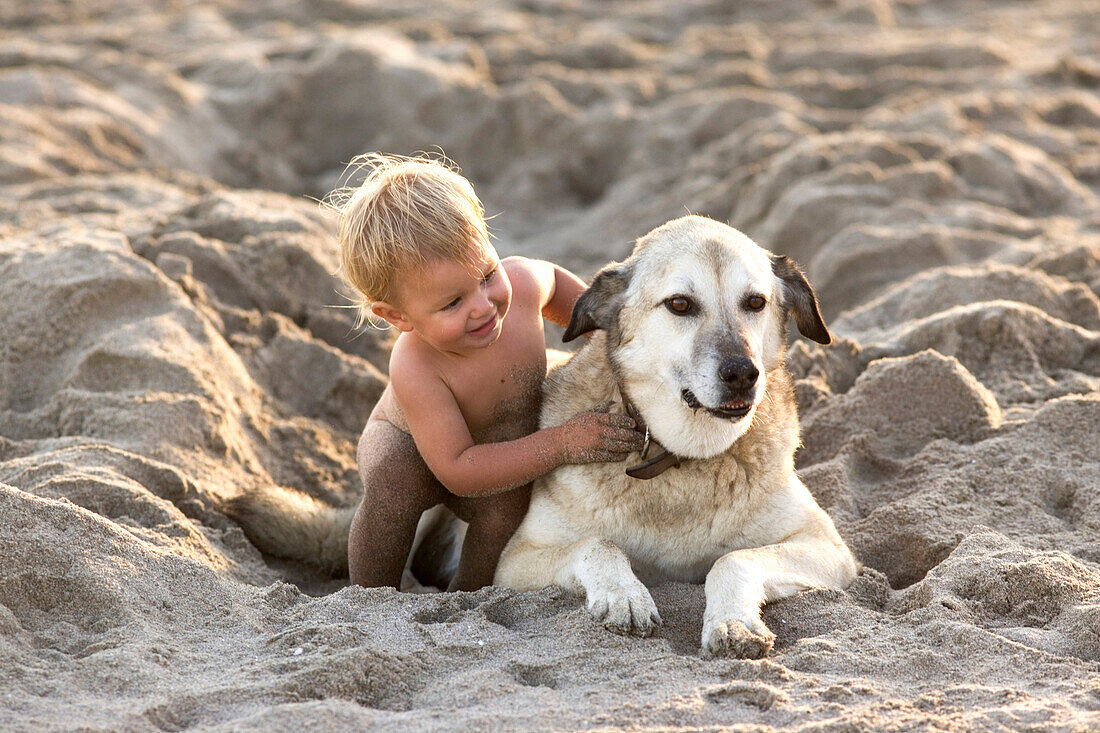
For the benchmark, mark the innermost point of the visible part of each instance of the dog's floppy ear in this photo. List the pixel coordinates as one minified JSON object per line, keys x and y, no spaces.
{"x":595,"y":308}
{"x":801,"y":299}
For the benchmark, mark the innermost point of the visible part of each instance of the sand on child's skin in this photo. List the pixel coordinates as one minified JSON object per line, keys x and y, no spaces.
{"x":169,"y":337}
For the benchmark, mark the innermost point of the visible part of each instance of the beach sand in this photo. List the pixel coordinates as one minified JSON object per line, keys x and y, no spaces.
{"x":171,"y":335}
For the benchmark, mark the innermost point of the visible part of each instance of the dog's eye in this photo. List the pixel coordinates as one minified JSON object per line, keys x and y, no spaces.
{"x":680,"y":305}
{"x":755,"y":302}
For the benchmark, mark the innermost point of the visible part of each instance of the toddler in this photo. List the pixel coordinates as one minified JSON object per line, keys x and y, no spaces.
{"x":458,"y":422}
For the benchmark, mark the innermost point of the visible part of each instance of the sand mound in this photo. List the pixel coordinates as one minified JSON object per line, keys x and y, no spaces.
{"x":171,"y":336}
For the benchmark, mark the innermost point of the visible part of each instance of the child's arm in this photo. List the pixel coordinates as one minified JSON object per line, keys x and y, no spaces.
{"x":444,"y":440}
{"x":558,"y":288}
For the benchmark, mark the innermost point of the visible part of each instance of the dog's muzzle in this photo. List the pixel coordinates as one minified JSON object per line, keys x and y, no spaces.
{"x":729,"y":410}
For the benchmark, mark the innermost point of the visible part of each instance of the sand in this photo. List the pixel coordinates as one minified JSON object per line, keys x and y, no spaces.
{"x":171,"y":335}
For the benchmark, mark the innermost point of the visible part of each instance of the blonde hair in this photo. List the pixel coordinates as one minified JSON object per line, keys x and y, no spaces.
{"x":407,"y":211}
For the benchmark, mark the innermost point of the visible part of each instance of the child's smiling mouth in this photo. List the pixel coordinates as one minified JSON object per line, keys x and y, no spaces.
{"x":486,"y":327}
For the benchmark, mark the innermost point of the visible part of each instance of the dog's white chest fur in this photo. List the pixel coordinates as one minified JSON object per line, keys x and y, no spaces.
{"x":701,"y":506}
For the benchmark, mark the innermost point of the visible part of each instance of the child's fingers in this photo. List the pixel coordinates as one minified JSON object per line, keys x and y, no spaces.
{"x":623,"y":436}
{"x":618,"y":421}
{"x":625,"y":421}
{"x":623,"y":446}
{"x":619,"y":447}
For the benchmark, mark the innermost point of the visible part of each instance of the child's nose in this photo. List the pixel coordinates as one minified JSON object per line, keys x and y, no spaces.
{"x":482,"y":303}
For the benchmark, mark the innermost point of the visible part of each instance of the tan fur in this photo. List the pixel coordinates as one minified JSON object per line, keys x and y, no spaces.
{"x":741,"y":521}
{"x":289,"y":523}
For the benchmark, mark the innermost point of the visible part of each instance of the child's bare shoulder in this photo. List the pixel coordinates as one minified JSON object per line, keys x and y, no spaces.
{"x":531,"y":279}
{"x":412,"y":365}
{"x":521,"y":268}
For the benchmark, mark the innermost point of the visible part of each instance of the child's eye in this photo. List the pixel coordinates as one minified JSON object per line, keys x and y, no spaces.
{"x":489,"y":275}
{"x":452,"y":305}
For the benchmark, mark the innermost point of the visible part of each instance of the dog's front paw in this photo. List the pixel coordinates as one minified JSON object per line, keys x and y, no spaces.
{"x":733,"y":638}
{"x":625,"y":610}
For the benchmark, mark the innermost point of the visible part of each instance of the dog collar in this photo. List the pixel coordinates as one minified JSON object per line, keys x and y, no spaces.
{"x":661,"y":462}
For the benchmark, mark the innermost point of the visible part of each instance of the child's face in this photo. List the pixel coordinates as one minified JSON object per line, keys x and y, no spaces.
{"x":451,"y":308}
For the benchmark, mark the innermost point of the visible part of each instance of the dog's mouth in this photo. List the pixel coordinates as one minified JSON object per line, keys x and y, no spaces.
{"x":731,"y":410}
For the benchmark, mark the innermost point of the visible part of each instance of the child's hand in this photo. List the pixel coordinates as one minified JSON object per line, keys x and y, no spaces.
{"x":596,"y":437}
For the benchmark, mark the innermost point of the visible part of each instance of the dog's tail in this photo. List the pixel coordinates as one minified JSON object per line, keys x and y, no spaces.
{"x":290,"y":524}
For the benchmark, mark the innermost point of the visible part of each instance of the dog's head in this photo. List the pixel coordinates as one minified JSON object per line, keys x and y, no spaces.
{"x":696,"y":317}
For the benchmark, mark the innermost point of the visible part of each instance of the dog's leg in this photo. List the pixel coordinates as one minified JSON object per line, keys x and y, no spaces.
{"x":593,"y":566}
{"x":615,"y":596}
{"x":741,"y":581}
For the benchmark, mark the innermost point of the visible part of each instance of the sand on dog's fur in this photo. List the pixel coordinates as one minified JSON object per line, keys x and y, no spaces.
{"x":168,"y":339}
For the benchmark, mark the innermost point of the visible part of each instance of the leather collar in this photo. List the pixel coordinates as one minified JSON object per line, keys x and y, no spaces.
{"x":662,"y":461}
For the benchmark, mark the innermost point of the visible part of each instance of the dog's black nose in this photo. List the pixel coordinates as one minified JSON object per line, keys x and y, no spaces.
{"x":738,"y":372}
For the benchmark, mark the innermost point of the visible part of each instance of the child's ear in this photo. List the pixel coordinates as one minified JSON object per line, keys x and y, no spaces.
{"x":390,"y":315}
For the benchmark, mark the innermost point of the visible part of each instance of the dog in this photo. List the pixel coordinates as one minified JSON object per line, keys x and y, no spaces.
{"x":690,"y":337}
